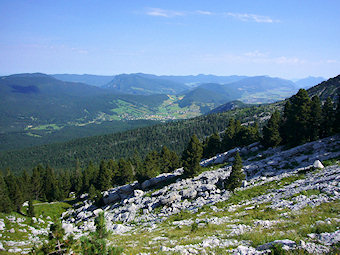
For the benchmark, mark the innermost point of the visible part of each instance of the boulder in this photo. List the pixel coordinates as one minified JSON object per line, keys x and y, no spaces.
{"x":138,"y":193}
{"x":109,"y":198}
{"x":97,"y":212}
{"x":167,"y":200}
{"x":188,"y":193}
{"x":286,"y":245}
{"x":318,"y":164}
{"x":68,"y":228}
{"x":1,"y":247}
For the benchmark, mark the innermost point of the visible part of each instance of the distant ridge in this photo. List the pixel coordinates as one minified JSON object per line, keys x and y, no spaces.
{"x":139,"y":85}
{"x":308,"y":82}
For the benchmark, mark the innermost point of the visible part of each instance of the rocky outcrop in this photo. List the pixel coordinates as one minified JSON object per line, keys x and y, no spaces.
{"x":146,"y":206}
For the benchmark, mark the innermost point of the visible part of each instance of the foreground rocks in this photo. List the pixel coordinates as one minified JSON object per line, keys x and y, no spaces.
{"x":148,"y":204}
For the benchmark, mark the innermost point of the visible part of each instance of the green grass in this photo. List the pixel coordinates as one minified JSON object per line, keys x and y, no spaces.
{"x":53,"y":210}
{"x":333,"y":161}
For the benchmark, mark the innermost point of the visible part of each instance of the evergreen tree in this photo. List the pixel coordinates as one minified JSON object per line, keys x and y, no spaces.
{"x":99,"y":222}
{"x":65,"y":184}
{"x":336,"y":125}
{"x":25,"y":183}
{"x":328,"y":118}
{"x":6,"y":205}
{"x":175,"y":161}
{"x":151,"y":167}
{"x":78,"y":179}
{"x":92,"y":192}
{"x":165,"y":160}
{"x":14,"y":191}
{"x":287,"y":124}
{"x":126,"y":173}
{"x":30,"y":209}
{"x":113,"y":168}
{"x":104,"y":177}
{"x":228,"y":138}
{"x":36,"y":182}
{"x":192,"y":156}
{"x":297,"y":117}
{"x":236,"y":176}
{"x":89,"y":177}
{"x":315,"y":118}
{"x":50,"y":185}
{"x":213,"y":146}
{"x":271,"y":131}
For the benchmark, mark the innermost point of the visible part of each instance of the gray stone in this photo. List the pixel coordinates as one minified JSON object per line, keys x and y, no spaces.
{"x":68,"y":228}
{"x":1,"y":247}
{"x":188,"y":193}
{"x":318,"y":164}
{"x":170,"y":198}
{"x":286,"y":245}
{"x":109,"y":198}
{"x":138,"y":193}
{"x":97,"y":212}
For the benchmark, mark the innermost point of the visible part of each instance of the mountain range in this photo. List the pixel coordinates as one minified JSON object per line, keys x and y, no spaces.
{"x":173,"y":134}
{"x":38,"y":108}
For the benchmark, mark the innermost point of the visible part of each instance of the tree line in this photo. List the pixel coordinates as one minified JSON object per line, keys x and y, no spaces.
{"x":46,"y":184}
{"x":303,"y":120}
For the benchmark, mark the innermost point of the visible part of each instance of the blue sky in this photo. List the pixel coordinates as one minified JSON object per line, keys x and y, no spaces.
{"x":289,"y":39}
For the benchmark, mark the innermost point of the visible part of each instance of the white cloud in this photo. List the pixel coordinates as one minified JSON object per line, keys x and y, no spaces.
{"x":204,"y":12}
{"x":163,"y":13}
{"x":251,"y":17}
{"x":255,"y":53}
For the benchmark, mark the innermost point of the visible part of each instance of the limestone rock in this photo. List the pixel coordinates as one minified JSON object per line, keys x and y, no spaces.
{"x":318,"y":164}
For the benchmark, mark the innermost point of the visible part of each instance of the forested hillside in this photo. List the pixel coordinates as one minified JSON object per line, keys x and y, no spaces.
{"x":174,"y":135}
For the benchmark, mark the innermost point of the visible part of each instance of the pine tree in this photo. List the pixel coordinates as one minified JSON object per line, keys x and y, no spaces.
{"x":297,"y":119}
{"x":126,"y":173}
{"x":36,"y":181}
{"x":14,"y":191}
{"x":65,"y":183}
{"x":50,"y":185}
{"x":104,"y":177}
{"x":89,"y":177}
{"x":315,"y":118}
{"x":336,"y":125}
{"x":213,"y":146}
{"x":228,"y":137}
{"x":271,"y":131}
{"x":175,"y":161}
{"x":6,"y":205}
{"x":78,"y":179}
{"x":25,"y":183}
{"x":192,"y":157}
{"x":92,"y":192}
{"x":113,"y":168}
{"x":165,"y":160}
{"x":151,"y":167}
{"x":236,"y":176}
{"x":30,"y":209}
{"x":328,"y":118}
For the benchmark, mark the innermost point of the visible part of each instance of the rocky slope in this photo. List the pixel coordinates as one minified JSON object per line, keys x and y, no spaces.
{"x":289,"y":201}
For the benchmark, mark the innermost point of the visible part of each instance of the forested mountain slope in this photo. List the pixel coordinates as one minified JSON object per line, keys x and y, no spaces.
{"x":139,"y":85}
{"x":174,"y":135}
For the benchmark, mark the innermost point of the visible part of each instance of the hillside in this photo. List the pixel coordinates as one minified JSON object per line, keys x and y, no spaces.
{"x":289,"y":203}
{"x":308,"y":82}
{"x":90,"y":79}
{"x":139,"y":85}
{"x":229,"y":106}
{"x":174,"y":135}
{"x":329,"y":88}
